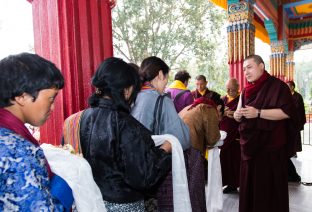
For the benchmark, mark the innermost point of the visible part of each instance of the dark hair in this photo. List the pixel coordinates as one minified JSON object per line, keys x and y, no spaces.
{"x":150,"y":68}
{"x":135,"y":66}
{"x":201,"y":77}
{"x":26,"y":73}
{"x":256,"y":58}
{"x":183,"y":76}
{"x":292,"y":83}
{"x":111,"y":78}
{"x":216,"y":98}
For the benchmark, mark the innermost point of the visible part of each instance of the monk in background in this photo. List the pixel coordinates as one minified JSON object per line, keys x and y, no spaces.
{"x":299,"y":104}
{"x":230,"y":151}
{"x":268,"y":127}
{"x":202,"y":90}
{"x":293,"y":176}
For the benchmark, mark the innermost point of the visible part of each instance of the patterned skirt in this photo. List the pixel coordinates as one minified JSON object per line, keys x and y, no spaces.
{"x":125,"y":207}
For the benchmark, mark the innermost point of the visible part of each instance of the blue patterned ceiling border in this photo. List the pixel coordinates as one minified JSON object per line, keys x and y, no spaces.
{"x":294,"y":4}
{"x":270,"y":27}
{"x":291,"y":10}
{"x":233,"y":2}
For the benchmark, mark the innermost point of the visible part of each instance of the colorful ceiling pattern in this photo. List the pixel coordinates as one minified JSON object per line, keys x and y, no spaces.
{"x":260,"y":32}
{"x":296,"y":19}
{"x":298,"y":9}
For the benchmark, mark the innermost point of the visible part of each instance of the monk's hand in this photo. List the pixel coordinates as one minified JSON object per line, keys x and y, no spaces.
{"x":230,"y":114}
{"x":249,"y":112}
{"x":238,"y":115}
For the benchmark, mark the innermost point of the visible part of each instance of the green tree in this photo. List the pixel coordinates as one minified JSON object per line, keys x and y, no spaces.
{"x":302,"y":77}
{"x":186,"y":34}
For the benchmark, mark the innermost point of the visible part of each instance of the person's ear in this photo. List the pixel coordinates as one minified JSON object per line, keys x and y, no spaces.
{"x":161,"y":75}
{"x":261,"y":66}
{"x":22,"y":99}
{"x":128,"y":92}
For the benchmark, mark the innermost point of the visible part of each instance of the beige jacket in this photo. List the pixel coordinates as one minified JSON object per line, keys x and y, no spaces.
{"x":204,"y":125}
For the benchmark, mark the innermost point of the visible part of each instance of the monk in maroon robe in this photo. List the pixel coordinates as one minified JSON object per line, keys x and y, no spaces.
{"x":202,"y":90}
{"x":299,"y":104}
{"x":230,"y":153}
{"x":268,"y":126}
{"x":293,"y":176}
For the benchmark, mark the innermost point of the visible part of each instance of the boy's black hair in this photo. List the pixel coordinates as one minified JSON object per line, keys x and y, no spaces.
{"x":26,"y":73}
{"x":183,"y":76}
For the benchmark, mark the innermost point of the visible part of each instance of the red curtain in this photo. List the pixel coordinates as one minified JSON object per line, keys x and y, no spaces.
{"x":236,"y":71}
{"x":76,"y":35}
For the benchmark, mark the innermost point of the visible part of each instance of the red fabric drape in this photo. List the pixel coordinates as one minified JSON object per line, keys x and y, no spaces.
{"x":76,"y":35}
{"x":236,"y":71}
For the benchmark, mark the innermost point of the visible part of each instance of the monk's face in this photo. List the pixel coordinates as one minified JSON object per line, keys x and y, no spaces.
{"x":252,"y":70}
{"x":201,"y":85}
{"x":232,"y":89}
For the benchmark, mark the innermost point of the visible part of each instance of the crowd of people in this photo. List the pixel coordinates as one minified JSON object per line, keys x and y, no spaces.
{"x":116,"y":136}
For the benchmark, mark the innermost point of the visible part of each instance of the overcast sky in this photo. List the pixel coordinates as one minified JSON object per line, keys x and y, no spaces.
{"x":16,"y":32}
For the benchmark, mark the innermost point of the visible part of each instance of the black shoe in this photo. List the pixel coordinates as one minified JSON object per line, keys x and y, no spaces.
{"x":229,"y":190}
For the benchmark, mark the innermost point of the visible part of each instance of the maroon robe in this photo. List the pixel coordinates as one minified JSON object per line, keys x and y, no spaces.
{"x":265,"y":148}
{"x":298,"y":100}
{"x":230,"y":153}
{"x":208,"y":94}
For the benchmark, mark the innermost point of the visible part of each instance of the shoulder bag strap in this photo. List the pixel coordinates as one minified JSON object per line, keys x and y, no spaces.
{"x":155,"y":115}
{"x":179,"y":95}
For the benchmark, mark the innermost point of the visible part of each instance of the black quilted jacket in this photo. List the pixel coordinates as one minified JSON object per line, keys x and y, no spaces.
{"x":124,"y":160}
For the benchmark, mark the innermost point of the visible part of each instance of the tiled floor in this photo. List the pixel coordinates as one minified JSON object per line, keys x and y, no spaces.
{"x":300,"y":196}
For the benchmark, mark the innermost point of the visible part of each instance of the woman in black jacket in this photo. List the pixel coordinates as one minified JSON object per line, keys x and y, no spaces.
{"x":123,"y":157}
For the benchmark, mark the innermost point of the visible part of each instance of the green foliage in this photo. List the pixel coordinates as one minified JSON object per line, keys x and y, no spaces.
{"x":186,"y":34}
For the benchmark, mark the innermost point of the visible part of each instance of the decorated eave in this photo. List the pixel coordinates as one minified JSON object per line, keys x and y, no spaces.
{"x":275,"y":20}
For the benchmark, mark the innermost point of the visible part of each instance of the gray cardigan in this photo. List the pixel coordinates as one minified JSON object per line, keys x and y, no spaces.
{"x":143,"y":111}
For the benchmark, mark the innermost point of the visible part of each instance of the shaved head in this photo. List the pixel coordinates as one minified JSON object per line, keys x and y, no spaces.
{"x":232,"y":87}
{"x":232,"y":82}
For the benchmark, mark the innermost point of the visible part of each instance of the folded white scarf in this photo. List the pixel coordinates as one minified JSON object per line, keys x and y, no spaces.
{"x":76,"y":171}
{"x":213,"y":189}
{"x":181,"y":197}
